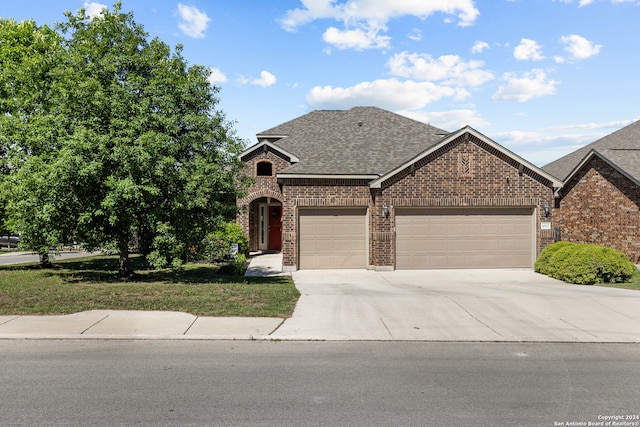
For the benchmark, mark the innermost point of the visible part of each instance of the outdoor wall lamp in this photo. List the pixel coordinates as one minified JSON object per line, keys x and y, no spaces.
{"x":546,"y":210}
{"x":385,"y":210}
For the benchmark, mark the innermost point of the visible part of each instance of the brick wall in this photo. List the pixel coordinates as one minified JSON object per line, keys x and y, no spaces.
{"x":316,"y":193}
{"x":263,"y":186}
{"x":600,"y":205}
{"x":465,"y":173}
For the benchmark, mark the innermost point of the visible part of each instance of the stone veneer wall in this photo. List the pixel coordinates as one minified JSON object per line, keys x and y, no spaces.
{"x":600,"y":205}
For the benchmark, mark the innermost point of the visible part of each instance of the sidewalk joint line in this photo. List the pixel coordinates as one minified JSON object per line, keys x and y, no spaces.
{"x":11,"y":320}
{"x":277,"y":327}
{"x":81,"y":333}
{"x":192,"y":323}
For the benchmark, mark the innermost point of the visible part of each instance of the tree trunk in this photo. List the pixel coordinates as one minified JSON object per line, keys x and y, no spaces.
{"x":124,"y":265}
{"x":44,"y":260}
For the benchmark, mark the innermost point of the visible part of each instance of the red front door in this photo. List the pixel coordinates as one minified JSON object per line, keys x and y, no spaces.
{"x":275,"y":228}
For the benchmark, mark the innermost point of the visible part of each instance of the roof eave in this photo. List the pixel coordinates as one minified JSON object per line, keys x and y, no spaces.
{"x":263,"y":144}
{"x":324,"y":176}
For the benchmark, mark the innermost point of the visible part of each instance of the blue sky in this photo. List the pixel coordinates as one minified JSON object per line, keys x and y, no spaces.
{"x":540,"y":77}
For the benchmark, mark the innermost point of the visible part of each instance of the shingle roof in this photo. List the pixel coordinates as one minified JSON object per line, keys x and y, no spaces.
{"x":358,"y":141}
{"x":622,"y":148}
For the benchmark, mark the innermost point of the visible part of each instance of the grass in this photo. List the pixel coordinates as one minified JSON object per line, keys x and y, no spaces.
{"x":91,"y":283}
{"x":634,"y":283}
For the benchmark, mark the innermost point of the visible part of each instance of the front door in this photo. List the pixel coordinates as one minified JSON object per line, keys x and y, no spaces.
{"x":275,"y":228}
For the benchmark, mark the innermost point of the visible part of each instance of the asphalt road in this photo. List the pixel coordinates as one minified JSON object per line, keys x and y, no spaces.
{"x":244,"y":383}
{"x":24,"y":257}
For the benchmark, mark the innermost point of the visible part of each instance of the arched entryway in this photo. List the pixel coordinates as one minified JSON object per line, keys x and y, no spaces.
{"x":263,"y":221}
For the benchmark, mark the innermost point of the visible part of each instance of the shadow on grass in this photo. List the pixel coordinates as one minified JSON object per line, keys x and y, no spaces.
{"x":104,"y":269}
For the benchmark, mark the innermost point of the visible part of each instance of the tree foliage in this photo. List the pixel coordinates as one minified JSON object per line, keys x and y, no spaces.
{"x":29,"y":54}
{"x":128,"y":143}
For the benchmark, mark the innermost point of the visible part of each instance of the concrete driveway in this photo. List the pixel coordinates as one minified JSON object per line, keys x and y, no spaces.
{"x":458,"y":305}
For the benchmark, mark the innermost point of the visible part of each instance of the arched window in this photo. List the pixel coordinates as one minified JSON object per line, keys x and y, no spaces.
{"x":264,"y":169}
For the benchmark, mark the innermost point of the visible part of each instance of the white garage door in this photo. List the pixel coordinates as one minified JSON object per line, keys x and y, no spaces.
{"x":464,"y":238}
{"x":332,"y":238}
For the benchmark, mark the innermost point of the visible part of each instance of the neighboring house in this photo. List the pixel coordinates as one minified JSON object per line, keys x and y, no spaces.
{"x":600,"y":200}
{"x":367,"y":188}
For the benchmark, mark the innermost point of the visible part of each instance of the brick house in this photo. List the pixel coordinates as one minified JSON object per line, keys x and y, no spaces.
{"x":600,"y":200}
{"x":367,"y":188}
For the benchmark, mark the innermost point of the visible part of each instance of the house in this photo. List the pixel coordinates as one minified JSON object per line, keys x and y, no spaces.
{"x":600,"y":199}
{"x":367,"y":188}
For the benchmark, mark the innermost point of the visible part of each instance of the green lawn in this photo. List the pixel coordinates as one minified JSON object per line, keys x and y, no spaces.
{"x":91,"y":283}
{"x":634,"y":283}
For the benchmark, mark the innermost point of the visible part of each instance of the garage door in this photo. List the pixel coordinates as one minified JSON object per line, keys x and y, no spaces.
{"x":332,"y":238}
{"x":464,"y":238}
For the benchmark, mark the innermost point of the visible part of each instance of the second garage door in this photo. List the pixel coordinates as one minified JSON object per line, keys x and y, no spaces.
{"x":464,"y":238}
{"x":332,"y":238}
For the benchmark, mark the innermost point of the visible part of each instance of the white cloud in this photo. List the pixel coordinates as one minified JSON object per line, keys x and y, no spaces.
{"x":266,"y":79}
{"x":357,"y":39}
{"x":580,"y":48}
{"x":390,"y":94}
{"x":608,"y":126}
{"x":377,"y":11}
{"x":528,"y":50}
{"x":582,"y":3}
{"x":94,"y":9}
{"x":364,"y":20}
{"x":193,"y":22}
{"x":217,"y":76}
{"x":448,"y":120}
{"x":544,"y":145}
{"x":479,"y":47}
{"x":532,"y":84}
{"x":449,"y":69}
{"x":415,"y":35}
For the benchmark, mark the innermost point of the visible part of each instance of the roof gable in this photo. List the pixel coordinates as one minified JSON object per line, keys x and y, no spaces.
{"x":621,"y":147}
{"x":466,"y":132}
{"x":264,"y":146}
{"x":614,"y":158}
{"x":361,"y":141}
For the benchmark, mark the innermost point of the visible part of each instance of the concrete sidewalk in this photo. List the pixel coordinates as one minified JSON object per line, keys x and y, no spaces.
{"x":113,"y":324}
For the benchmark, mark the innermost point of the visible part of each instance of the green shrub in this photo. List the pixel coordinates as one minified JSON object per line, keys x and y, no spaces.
{"x":550,"y":260}
{"x":236,"y":265}
{"x":584,"y":264}
{"x":217,"y":245}
{"x":167,"y":250}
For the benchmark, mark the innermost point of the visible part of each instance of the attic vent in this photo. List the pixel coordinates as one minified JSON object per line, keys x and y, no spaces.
{"x":464,"y":165}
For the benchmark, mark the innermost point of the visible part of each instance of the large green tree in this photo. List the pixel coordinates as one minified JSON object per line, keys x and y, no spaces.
{"x":139,"y":147}
{"x":29,"y":54}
